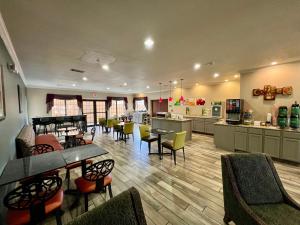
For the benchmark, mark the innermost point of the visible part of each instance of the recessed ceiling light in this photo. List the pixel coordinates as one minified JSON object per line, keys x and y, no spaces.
{"x":216,"y":75}
{"x":129,"y":90}
{"x":147,"y":86}
{"x":74,"y":85}
{"x":84,"y":78}
{"x":125,"y":84}
{"x":107,"y":88}
{"x":105,"y":67}
{"x":197,"y":66}
{"x":226,"y":80}
{"x":175,"y":87}
{"x":149,"y":43}
{"x":197,"y":84}
{"x":175,"y":82}
{"x":236,"y":76}
{"x":274,"y":63}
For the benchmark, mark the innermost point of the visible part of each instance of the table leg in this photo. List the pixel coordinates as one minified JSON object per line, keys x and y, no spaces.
{"x":159,"y":146}
{"x":83,"y":167}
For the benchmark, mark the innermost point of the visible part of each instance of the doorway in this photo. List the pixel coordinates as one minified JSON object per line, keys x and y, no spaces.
{"x":93,"y":109}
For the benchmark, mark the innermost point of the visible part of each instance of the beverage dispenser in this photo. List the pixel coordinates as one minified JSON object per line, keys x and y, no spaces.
{"x":295,"y":116}
{"x":234,"y":111}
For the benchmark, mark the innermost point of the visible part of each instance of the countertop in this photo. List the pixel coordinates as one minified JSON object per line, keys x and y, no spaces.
{"x":170,"y":119}
{"x":223,"y":123}
{"x":202,"y":117}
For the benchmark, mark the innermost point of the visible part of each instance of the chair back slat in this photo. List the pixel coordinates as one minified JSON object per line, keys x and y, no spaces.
{"x":99,"y":170}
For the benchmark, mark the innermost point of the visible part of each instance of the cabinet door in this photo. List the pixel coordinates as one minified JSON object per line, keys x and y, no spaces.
{"x":209,"y":128}
{"x":255,"y":143}
{"x":199,"y":126}
{"x":240,"y":141}
{"x":272,"y":146}
{"x":224,"y":137}
{"x":291,"y":149}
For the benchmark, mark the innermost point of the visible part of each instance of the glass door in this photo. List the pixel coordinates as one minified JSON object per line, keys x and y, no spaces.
{"x":93,"y":109}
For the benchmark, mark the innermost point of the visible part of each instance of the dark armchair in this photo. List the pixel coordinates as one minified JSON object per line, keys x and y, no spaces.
{"x":253,"y":192}
{"x":124,"y":209}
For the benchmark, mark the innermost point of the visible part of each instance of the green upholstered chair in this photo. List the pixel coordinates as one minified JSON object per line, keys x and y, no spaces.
{"x":177,"y":144}
{"x":128,"y":129}
{"x":102,"y":123}
{"x":253,"y":192}
{"x":146,"y":136}
{"x":124,"y":209}
{"x":116,"y":128}
{"x":109,"y":124}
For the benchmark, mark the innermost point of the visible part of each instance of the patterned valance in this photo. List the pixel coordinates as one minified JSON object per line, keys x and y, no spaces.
{"x":140,"y":98}
{"x":50,"y":100}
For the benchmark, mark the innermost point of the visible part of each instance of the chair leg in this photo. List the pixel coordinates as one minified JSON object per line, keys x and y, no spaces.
{"x":226,"y":219}
{"x":86,"y":202}
{"x":110,"y":191}
{"x":149,"y":147}
{"x":68,"y":178}
{"x":174,"y":153}
{"x":132,"y":137}
{"x":140,"y":145}
{"x":183,"y":154}
{"x":58,"y":217}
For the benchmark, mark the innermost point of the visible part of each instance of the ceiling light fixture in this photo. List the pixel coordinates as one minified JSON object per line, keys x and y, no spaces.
{"x":160,"y":99}
{"x":84,"y":78}
{"x":107,"y":88}
{"x":216,"y":75}
{"x":181,"y":97}
{"x":147,"y":86}
{"x":149,"y":43}
{"x":197,"y":84}
{"x":74,"y":85}
{"x":105,"y":67}
{"x":175,"y":82}
{"x":236,"y":76}
{"x":170,"y":97}
{"x":274,"y":63}
{"x":125,"y":84}
{"x":197,"y":66}
{"x":226,"y":80}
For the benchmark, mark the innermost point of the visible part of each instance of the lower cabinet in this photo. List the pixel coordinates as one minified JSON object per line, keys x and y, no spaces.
{"x":240,"y":141}
{"x":272,"y":146}
{"x":198,"y":125}
{"x":255,"y":143}
{"x":291,"y":149}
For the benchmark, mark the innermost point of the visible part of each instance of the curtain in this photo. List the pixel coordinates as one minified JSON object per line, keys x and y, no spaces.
{"x":50,"y":100}
{"x":140,"y":98}
{"x":109,"y":101}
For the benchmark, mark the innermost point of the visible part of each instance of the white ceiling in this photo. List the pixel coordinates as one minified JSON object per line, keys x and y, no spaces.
{"x":51,"y":36}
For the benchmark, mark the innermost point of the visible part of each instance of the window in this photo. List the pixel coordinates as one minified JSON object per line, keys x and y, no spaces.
{"x":62,"y":107}
{"x":93,"y":109}
{"x":117,"y":108}
{"x":140,"y":105}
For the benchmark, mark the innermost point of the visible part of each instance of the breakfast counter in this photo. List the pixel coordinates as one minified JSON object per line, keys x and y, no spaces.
{"x":279,"y":143}
{"x":176,"y":125}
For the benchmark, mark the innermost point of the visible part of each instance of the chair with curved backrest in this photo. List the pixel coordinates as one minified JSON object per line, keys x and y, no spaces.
{"x":146,"y":136}
{"x":117,"y":128}
{"x":109,"y":124}
{"x":96,"y":177}
{"x":30,"y":203}
{"x":178,"y":143}
{"x":128,"y":129}
{"x":253,"y":192}
{"x":79,"y":142}
{"x":102,"y":123}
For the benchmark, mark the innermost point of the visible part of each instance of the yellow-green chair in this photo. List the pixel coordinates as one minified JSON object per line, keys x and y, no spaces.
{"x":128,"y":129}
{"x":177,"y":144}
{"x":109,"y":124}
{"x":117,"y":128}
{"x":102,"y":123}
{"x":146,"y":136}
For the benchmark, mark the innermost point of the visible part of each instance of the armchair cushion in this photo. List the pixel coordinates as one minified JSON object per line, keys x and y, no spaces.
{"x":167,"y":144}
{"x":48,"y":139}
{"x":255,"y":179}
{"x":124,"y":209}
{"x":277,"y":214}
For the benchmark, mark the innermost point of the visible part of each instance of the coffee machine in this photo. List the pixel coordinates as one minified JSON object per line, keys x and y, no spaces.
{"x":234,"y":111}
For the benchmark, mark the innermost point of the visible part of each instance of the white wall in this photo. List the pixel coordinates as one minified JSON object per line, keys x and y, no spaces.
{"x":279,"y":76}
{"x":37,"y":99}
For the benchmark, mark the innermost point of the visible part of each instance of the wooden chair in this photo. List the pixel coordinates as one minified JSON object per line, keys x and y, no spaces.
{"x":30,"y":203}
{"x":177,"y":144}
{"x":128,"y":129}
{"x":96,"y":178}
{"x":146,"y":136}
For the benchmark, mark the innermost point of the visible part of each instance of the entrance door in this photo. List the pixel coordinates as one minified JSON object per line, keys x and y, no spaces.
{"x":157,"y":106}
{"x":93,"y":109}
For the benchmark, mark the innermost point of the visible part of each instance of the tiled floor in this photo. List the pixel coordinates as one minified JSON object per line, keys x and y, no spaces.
{"x":189,"y":193}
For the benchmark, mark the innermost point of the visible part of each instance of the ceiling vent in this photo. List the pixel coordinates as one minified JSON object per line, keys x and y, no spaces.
{"x":77,"y":70}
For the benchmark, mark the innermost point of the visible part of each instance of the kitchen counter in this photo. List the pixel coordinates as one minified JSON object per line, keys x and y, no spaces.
{"x":276,"y":142}
{"x":176,"y":125}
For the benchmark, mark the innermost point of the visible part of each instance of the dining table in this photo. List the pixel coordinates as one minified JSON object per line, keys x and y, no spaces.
{"x":160,"y":133}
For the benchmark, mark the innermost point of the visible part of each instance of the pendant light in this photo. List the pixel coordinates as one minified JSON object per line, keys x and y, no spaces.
{"x":181,"y":97}
{"x":170,"y":97}
{"x":160,"y":99}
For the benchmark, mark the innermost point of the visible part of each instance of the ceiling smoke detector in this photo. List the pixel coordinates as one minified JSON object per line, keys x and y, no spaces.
{"x":93,"y":57}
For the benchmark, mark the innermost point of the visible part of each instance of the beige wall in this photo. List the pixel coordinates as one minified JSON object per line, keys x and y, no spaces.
{"x":219,"y":92}
{"x":279,"y":76}
{"x":37,"y":99}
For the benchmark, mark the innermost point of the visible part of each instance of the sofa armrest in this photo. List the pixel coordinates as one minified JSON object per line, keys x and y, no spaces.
{"x":124,"y":209}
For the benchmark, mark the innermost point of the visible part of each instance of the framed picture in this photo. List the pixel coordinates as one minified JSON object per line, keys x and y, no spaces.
{"x":19,"y":98}
{"x":2,"y":95}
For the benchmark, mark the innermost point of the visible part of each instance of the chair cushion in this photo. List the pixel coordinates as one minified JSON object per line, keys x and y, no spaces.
{"x":149,"y":138}
{"x":255,"y":179}
{"x":85,"y":186}
{"x":77,"y":164}
{"x":49,"y":139}
{"x":167,"y":144}
{"x":277,"y":214}
{"x":20,"y":217}
{"x":88,"y":142}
